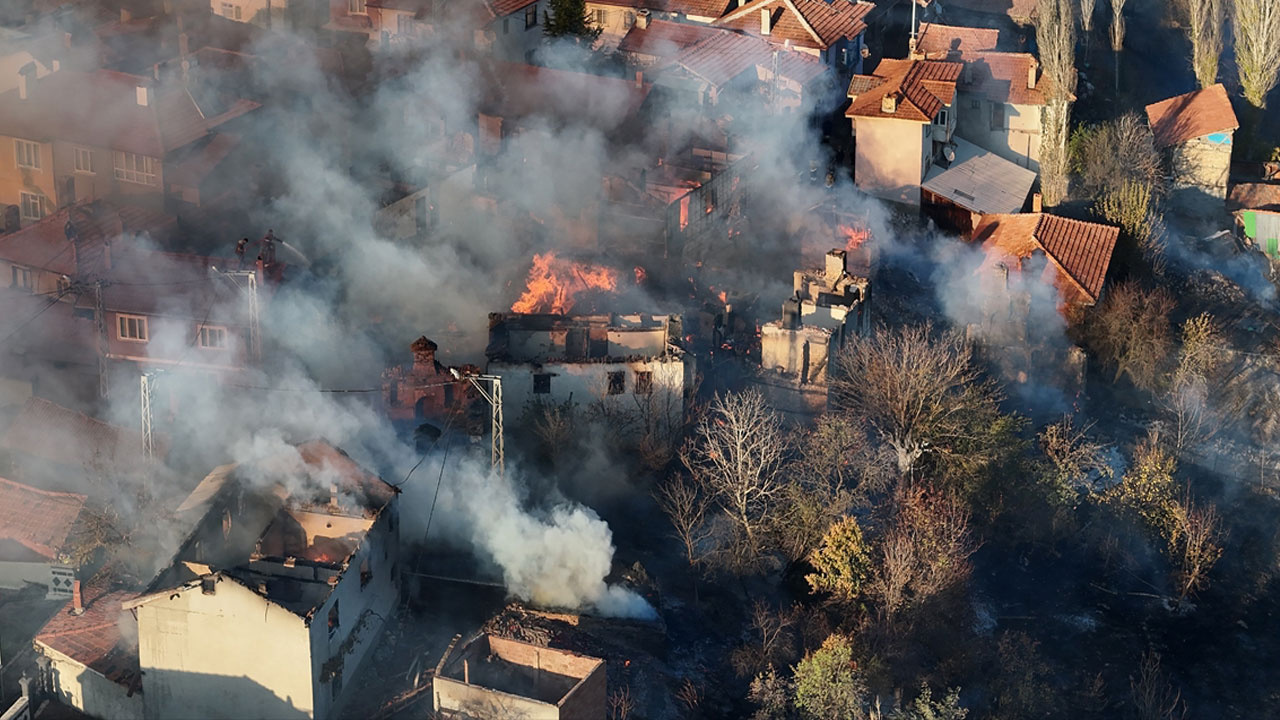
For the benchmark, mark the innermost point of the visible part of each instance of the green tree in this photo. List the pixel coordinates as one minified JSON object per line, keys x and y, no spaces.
{"x":924,"y":707}
{"x":842,"y":562}
{"x":828,"y":685}
{"x":569,"y":19}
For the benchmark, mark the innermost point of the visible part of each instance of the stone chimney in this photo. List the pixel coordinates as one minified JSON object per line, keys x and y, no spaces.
{"x":766,"y":21}
{"x":791,"y":313}
{"x":77,"y":599}
{"x":642,"y":18}
{"x":836,"y":265}
{"x":1037,"y":203}
{"x":424,"y":356}
{"x":26,"y":80}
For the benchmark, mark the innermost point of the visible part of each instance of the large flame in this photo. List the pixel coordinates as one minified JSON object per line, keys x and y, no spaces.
{"x":853,"y":237}
{"x":554,"y":283}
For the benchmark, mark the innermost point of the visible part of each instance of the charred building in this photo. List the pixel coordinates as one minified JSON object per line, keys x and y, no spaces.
{"x":493,"y":678}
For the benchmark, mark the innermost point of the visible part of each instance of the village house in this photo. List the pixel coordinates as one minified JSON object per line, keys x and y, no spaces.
{"x":493,"y":678}
{"x":903,"y":115}
{"x":1256,"y":209}
{"x":968,"y":182}
{"x":627,"y":362}
{"x":1001,"y":95}
{"x":511,"y":29}
{"x":74,"y":136}
{"x":797,"y":353}
{"x":650,"y":40}
{"x":1196,"y":130}
{"x":35,"y":530}
{"x":831,"y":31}
{"x":1070,"y":256}
{"x":1019,"y":13}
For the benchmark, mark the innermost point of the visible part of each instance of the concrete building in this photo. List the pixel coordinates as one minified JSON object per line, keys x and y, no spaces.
{"x":275,"y":596}
{"x":630,"y":362}
{"x":1196,"y":130}
{"x":797,"y":352}
{"x":902,"y":116}
{"x":493,"y":678}
{"x":35,"y":526}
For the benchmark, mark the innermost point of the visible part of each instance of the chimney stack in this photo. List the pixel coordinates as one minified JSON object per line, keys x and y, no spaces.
{"x":766,"y":21}
{"x":1037,"y":203}
{"x":639,"y":79}
{"x":77,"y":600}
{"x":642,"y":18}
{"x":889,"y":104}
{"x":333,"y":496}
{"x":424,"y":356}
{"x":1031,"y":75}
{"x":791,"y":313}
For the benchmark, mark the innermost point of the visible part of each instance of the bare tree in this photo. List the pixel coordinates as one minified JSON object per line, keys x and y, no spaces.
{"x":918,"y":390}
{"x":1117,"y":25}
{"x":1056,"y":38}
{"x":925,"y":550}
{"x":1087,"y":8}
{"x":686,"y":508}
{"x":1107,"y":155}
{"x":1256,"y":24}
{"x":1192,"y":419}
{"x":736,"y":457}
{"x":1074,"y":457}
{"x":772,"y":642}
{"x":1130,"y":331}
{"x":1196,"y":547}
{"x":1206,"y":20}
{"x":1154,"y":697}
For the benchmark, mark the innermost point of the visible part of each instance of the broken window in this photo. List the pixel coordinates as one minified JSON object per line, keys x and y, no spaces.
{"x":644,"y":382}
{"x":333,"y":619}
{"x":617,"y":382}
{"x":542,"y":384}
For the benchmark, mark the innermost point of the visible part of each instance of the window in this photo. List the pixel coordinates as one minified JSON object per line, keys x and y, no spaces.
{"x":356,"y":7}
{"x":404,"y":24}
{"x":542,"y":384}
{"x":333,"y":623}
{"x":33,"y":206}
{"x":132,"y":327}
{"x":644,"y":382}
{"x":21,"y":278}
{"x":617,"y":382}
{"x":227,"y":10}
{"x":237,"y":12}
{"x":135,"y":168}
{"x":942,"y":117}
{"x":213,"y":337}
{"x":975,"y":103}
{"x":997,"y":116}
{"x":531,"y":16}
{"x":27,"y":154}
{"x":84,"y":160}
{"x":600,"y":16}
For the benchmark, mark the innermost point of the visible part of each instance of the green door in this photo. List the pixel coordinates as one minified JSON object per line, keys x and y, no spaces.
{"x":1273,"y":247}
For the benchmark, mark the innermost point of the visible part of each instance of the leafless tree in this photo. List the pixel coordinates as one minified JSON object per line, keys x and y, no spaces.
{"x":620,"y":704}
{"x":917,"y":389}
{"x":1117,"y":25}
{"x":1075,"y":457}
{"x":1109,"y":154}
{"x":924,"y":551}
{"x":1256,"y":24}
{"x":1130,"y":331}
{"x":1197,"y":546}
{"x":736,"y":456}
{"x":686,"y":508}
{"x":1206,"y":21}
{"x":1087,"y":8}
{"x":1154,"y":697}
{"x":1056,"y":38}
{"x":1192,"y":417}
{"x":772,"y":642}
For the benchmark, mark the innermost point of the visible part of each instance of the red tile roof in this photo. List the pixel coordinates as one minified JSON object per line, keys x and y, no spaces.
{"x":1192,"y":115}
{"x":807,"y":23}
{"x":94,"y":639}
{"x":727,"y":55}
{"x":1254,"y":196}
{"x":518,"y":91}
{"x":1003,"y":77}
{"x":506,"y":7}
{"x":922,"y":88}
{"x":696,"y":8}
{"x":60,"y":435}
{"x":1079,"y":252}
{"x":44,"y":244}
{"x":1018,"y":10}
{"x":952,"y":42}
{"x":38,"y":520}
{"x":664,"y":39}
{"x":101,"y":109}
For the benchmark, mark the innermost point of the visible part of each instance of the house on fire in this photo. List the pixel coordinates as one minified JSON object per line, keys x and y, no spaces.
{"x":424,"y":390}
{"x":634,"y":362}
{"x":798,"y":351}
{"x":273,"y":599}
{"x":493,"y":678}
{"x":1196,"y":131}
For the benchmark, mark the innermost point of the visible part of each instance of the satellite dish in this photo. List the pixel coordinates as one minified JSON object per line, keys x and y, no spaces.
{"x":865,"y":52}
{"x":949,"y":152}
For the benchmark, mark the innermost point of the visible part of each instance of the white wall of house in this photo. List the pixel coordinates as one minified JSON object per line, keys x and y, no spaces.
{"x":511,"y":38}
{"x":1012,"y":131}
{"x":231,"y":654}
{"x":585,"y":383}
{"x":89,"y":692}
{"x":884,"y":164}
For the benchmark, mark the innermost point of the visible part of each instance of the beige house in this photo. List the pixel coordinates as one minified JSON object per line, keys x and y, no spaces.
{"x":902,"y":116}
{"x":1196,"y":130}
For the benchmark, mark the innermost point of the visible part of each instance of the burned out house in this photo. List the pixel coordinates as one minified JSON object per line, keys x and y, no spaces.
{"x":494,"y":678}
{"x":273,"y":598}
{"x":425,"y":389}
{"x":798,"y":352}
{"x":629,"y":362}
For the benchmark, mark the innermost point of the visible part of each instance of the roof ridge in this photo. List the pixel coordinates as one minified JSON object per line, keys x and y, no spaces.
{"x":49,"y":493}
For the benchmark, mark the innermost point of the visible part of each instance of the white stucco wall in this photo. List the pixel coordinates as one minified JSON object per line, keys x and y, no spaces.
{"x":17,"y":575}
{"x":584,"y":383}
{"x":510,"y":40}
{"x":1016,"y":139}
{"x":87,"y":691}
{"x":229,"y":655}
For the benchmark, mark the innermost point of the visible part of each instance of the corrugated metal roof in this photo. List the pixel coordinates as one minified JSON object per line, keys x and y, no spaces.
{"x":981,"y":181}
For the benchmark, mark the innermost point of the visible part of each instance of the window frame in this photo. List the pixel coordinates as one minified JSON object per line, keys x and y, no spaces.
{"x":141,"y":329}
{"x":531,"y":16}
{"x":38,"y":200}
{"x":29,"y":149}
{"x":23,"y":272}
{"x":600,"y":16}
{"x":644,"y":382}
{"x":87,"y":154}
{"x":204,"y":332}
{"x":617,"y":382}
{"x":542,"y":383}
{"x":143,"y":171}
{"x":357,"y":7}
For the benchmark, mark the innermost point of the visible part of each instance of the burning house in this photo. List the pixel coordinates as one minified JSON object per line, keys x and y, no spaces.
{"x":423,"y":390}
{"x":631,"y":361}
{"x":798,"y":351}
{"x":35,"y":526}
{"x":494,"y":678}
{"x":274,"y":597}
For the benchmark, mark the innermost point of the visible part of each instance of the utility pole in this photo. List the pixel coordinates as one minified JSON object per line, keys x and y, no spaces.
{"x":250,"y":278}
{"x":497,"y":444}
{"x":104,"y":343}
{"x":148,"y":439}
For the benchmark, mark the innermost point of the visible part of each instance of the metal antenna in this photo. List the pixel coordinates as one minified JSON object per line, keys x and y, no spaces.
{"x":497,"y":444}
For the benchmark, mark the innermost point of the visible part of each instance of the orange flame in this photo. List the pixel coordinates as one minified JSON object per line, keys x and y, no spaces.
{"x":641,"y":275}
{"x":853,"y":237}
{"x":553,"y":284}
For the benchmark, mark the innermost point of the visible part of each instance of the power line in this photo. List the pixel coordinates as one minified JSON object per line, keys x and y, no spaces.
{"x":52,"y":301}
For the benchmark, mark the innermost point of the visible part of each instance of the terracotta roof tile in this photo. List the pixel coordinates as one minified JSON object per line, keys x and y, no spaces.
{"x":1003,"y":77}
{"x":664,"y":39}
{"x":1079,"y":252}
{"x":94,"y":639}
{"x":695,"y":8}
{"x":1018,"y":10}
{"x":922,"y":87}
{"x":1192,"y":115}
{"x":506,"y":7}
{"x":101,"y":108}
{"x":807,"y":23}
{"x":38,"y":520}
{"x":515,"y":91}
{"x":51,"y":432}
{"x":951,"y":42}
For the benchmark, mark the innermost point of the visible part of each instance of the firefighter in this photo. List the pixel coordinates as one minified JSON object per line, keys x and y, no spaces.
{"x":240,"y":247}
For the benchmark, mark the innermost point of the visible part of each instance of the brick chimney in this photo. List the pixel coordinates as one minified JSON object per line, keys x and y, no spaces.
{"x":77,"y":600}
{"x":766,"y":21}
{"x":889,"y":104}
{"x":1031,"y":74}
{"x":424,"y":356}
